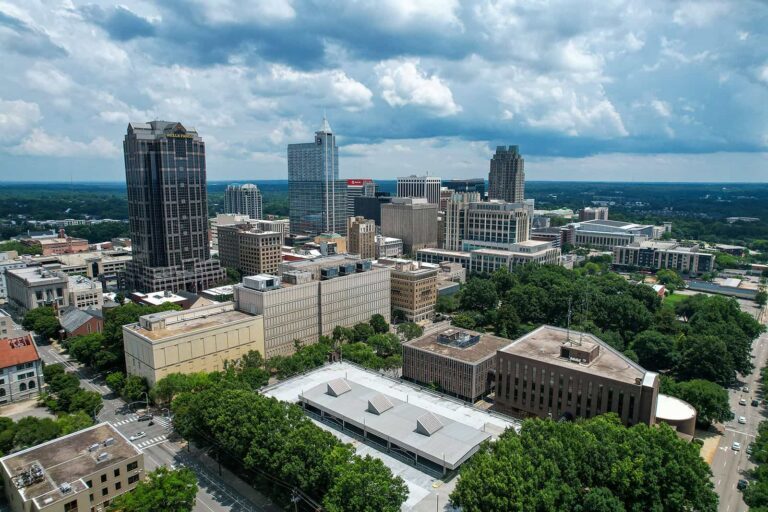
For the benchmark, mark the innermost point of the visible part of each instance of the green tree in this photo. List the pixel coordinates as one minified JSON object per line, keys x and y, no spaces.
{"x":761,"y":298}
{"x":410,"y":330}
{"x":362,"y":332}
{"x":69,"y":423}
{"x":709,"y":399}
{"x":86,"y":347}
{"x":705,"y":357}
{"x":479,"y":295}
{"x":385,"y":344}
{"x":115,"y":381}
{"x":365,"y":485}
{"x":43,"y":321}
{"x":134,"y":388}
{"x":379,"y":324}
{"x":463,"y":321}
{"x":670,"y":279}
{"x":447,"y":303}
{"x":163,"y":489}
{"x":656,"y":351}
{"x":506,"y":323}
{"x":31,"y":431}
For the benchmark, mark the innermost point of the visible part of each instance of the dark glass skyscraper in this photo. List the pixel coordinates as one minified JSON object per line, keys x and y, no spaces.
{"x":506,"y":179}
{"x":466,"y":185}
{"x":167,"y":209}
{"x":317,"y":197}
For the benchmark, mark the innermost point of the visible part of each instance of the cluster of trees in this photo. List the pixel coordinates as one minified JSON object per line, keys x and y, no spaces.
{"x":700,"y":342}
{"x":162,"y":489}
{"x":43,"y":321}
{"x":596,"y":465}
{"x":370,"y":344}
{"x":131,"y":388}
{"x":756,"y":495}
{"x":64,"y":394}
{"x":104,"y":351}
{"x":101,"y":232}
{"x":21,"y":248}
{"x":31,"y":431}
{"x":277,"y":441}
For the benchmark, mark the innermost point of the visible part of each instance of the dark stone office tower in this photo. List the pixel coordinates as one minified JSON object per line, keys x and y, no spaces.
{"x":506,"y":181}
{"x":317,"y":198}
{"x":168,"y":209}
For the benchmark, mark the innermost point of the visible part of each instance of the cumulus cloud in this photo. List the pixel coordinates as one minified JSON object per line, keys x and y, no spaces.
{"x":48,"y":79}
{"x":334,"y":87}
{"x":40,"y":143}
{"x":662,"y":108}
{"x":402,"y":83}
{"x":17,"y":118}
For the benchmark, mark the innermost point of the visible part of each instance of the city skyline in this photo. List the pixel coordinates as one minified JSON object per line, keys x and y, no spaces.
{"x":627,"y":92}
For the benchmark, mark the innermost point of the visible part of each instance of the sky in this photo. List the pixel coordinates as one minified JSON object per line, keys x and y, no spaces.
{"x":608,"y":90}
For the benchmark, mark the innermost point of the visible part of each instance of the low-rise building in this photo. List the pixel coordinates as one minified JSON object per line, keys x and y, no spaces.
{"x":8,"y":260}
{"x":458,"y":362}
{"x":33,"y":287}
{"x":329,"y":244}
{"x":736,"y":250}
{"x":436,"y":256}
{"x":85,"y":293}
{"x":388,"y":247}
{"x":63,"y":244}
{"x":310,"y":298}
{"x":79,"y":322}
{"x":82,"y":471}
{"x":523,"y":253}
{"x":451,"y":272}
{"x":21,"y":369}
{"x":557,"y":235}
{"x":607,"y":234}
{"x":414,"y":288}
{"x":656,"y":255}
{"x":249,"y":250}
{"x":196,"y":340}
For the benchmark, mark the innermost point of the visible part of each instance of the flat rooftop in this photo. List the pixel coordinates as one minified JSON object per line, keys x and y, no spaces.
{"x":433,"y":250}
{"x":68,"y":460}
{"x":544,"y":343}
{"x":185,"y":322}
{"x":474,"y":353}
{"x":39,"y":275}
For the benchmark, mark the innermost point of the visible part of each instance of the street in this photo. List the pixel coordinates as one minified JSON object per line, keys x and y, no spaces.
{"x":162,"y":448}
{"x":728,"y":466}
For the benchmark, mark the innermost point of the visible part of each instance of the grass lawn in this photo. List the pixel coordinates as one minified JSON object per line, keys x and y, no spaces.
{"x":674,"y":299}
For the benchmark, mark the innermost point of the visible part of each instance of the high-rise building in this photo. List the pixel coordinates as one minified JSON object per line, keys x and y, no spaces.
{"x":496,"y":225}
{"x":467,"y":185}
{"x":361,"y":235}
{"x":249,"y":250}
{"x":317,"y":197}
{"x":370,"y":207}
{"x":506,"y":180}
{"x":413,"y":220}
{"x":420,"y":186}
{"x":456,"y":218}
{"x":358,"y":187}
{"x":243,"y":199}
{"x":168,"y":209}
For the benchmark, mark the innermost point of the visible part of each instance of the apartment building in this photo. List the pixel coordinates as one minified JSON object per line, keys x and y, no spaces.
{"x":657,"y":255}
{"x":195,"y":340}
{"x":413,"y":220}
{"x":414,"y":287}
{"x":523,"y":253}
{"x":249,"y":250}
{"x":33,"y":287}
{"x":361,"y":235}
{"x":458,"y":361}
{"x":21,"y":369}
{"x":82,"y":471}
{"x":310,"y":298}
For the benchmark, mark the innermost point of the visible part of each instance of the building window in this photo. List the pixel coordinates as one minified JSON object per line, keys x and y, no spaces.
{"x":71,"y":506}
{"x":133,"y":465}
{"x":103,"y":478}
{"x":117,"y":472}
{"x":105,"y":491}
{"x":133,"y":479}
{"x":22,"y":387}
{"x":118,"y":485}
{"x":31,"y":384}
{"x":89,"y":483}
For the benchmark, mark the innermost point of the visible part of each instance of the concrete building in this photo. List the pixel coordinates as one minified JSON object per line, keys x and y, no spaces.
{"x":556,"y":235}
{"x":82,"y":471}
{"x":168,"y":209}
{"x":427,"y":187}
{"x":358,"y":187}
{"x":312,"y":297}
{"x":32,"y":287}
{"x":329,"y":244}
{"x":8,"y":260}
{"x":388,"y":247}
{"x":63,"y":244}
{"x":523,"y":253}
{"x":414,"y":288}
{"x":317,"y":197}
{"x":85,"y":293}
{"x":459,"y":362}
{"x":596,"y":213}
{"x":496,"y":225}
{"x":440,"y":255}
{"x":361,"y":234}
{"x":244,"y":200}
{"x":556,"y":373}
{"x":466,"y":185}
{"x":656,"y":255}
{"x":456,"y":218}
{"x":506,"y":178}
{"x":413,"y":220}
{"x":21,"y":369}
{"x":370,"y":207}
{"x":196,"y":340}
{"x":607,"y":234}
{"x":249,"y":250}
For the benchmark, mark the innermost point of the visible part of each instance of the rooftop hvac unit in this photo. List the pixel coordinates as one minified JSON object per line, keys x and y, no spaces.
{"x":102,"y":457}
{"x":329,"y":273}
{"x":94,"y":447}
{"x":346,"y":269}
{"x":109,"y":441}
{"x":65,"y":487}
{"x":363,"y":266}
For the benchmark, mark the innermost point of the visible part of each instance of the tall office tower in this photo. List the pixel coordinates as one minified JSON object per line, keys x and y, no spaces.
{"x":413,"y":220}
{"x":167,"y":209}
{"x":506,"y":180}
{"x":456,"y":218}
{"x":361,"y":235}
{"x":358,"y":187}
{"x":317,"y":197}
{"x":496,"y":225}
{"x":467,"y":185}
{"x":243,"y":199}
{"x":420,"y":186}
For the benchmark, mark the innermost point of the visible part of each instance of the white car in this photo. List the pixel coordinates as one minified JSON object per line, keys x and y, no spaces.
{"x":742,"y":420}
{"x":743,"y":401}
{"x":137,"y":436}
{"x":736,"y":446}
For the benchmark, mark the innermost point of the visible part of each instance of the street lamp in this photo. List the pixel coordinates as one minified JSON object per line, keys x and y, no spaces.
{"x":147,"y":397}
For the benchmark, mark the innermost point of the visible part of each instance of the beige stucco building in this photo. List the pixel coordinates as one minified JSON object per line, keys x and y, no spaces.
{"x":414,"y":287}
{"x":196,"y":340}
{"x":361,"y":235}
{"x":79,"y":472}
{"x":249,"y":250}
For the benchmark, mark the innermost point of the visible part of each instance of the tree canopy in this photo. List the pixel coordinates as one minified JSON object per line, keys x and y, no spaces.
{"x":163,"y":489}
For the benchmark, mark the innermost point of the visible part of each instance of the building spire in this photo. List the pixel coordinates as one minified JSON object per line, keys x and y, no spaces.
{"x":326,"y":127}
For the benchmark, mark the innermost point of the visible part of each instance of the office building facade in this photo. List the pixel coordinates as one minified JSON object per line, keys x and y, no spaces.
{"x":523,"y":253}
{"x":361,"y":237}
{"x":388,"y":247}
{"x":496,"y":225}
{"x":249,"y":250}
{"x":506,"y":179}
{"x":455,"y":224}
{"x":414,"y":288}
{"x":420,"y":186}
{"x":243,"y":199}
{"x":317,"y":197}
{"x":466,"y":185}
{"x":167,"y":209}
{"x":657,"y":255}
{"x":370,"y":207}
{"x":34,"y":287}
{"x":358,"y":187}
{"x":413,"y":220}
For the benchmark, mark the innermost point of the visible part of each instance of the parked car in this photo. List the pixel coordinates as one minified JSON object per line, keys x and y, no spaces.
{"x":743,"y":401}
{"x":144,"y":417}
{"x":745,"y":389}
{"x":742,"y":420}
{"x":736,"y":446}
{"x":755,"y":403}
{"x":742,"y":484}
{"x":137,"y":436}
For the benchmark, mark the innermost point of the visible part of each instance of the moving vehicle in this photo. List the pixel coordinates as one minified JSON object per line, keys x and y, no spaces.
{"x":742,"y":420}
{"x":137,"y":436}
{"x":144,"y":417}
{"x":736,"y":446}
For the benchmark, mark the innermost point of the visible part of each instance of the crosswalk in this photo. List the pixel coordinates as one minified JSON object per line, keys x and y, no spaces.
{"x":151,"y":442}
{"x":165,"y":422}
{"x":128,"y":419}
